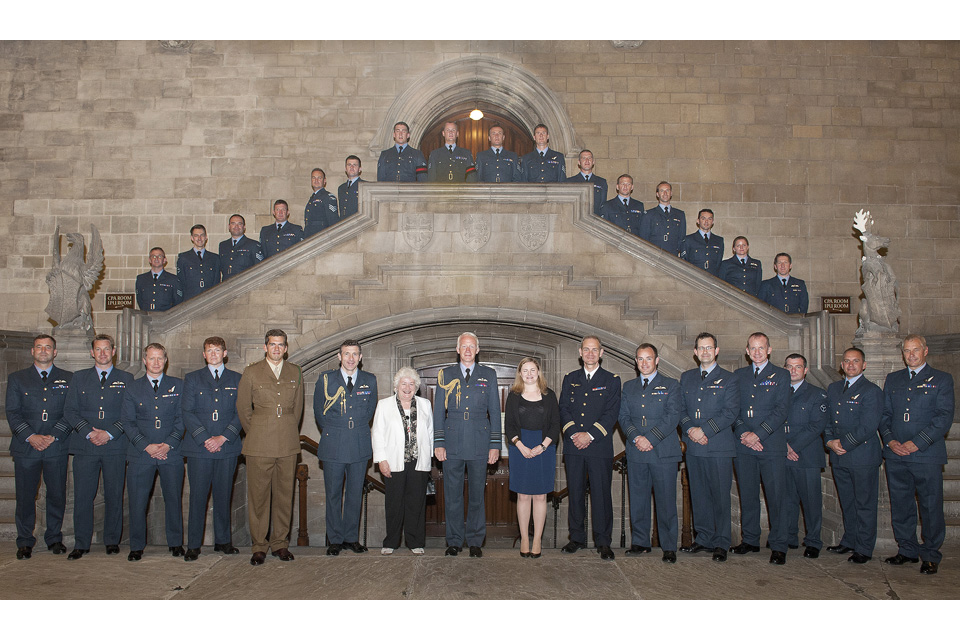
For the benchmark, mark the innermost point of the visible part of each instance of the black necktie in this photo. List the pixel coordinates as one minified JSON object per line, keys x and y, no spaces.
{"x":756,"y":371}
{"x":586,"y":178}
{"x":156,"y":386}
{"x":784,"y":281}
{"x":793,"y":390}
{"x":216,"y":375}
{"x":450,"y":149}
{"x":645,"y":381}
{"x":624,"y":201}
{"x":43,"y":376}
{"x":156,"y":276}
{"x":349,"y":384}
{"x":846,"y":385}
{"x":666,"y":209}
{"x":913,"y":374}
{"x":497,"y":153}
{"x":103,"y":378}
{"x":706,"y":237}
{"x":703,"y":375}
{"x":399,"y":151}
{"x":541,"y":154}
{"x":236,"y":241}
{"x":279,"y":226}
{"x":466,"y":378}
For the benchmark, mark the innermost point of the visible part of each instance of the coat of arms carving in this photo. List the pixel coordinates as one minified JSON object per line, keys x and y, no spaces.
{"x":417,"y":229}
{"x":475,"y":229}
{"x":533,"y":230}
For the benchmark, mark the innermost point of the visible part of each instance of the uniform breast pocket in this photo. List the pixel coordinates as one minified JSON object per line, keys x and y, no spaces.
{"x":265,"y":394}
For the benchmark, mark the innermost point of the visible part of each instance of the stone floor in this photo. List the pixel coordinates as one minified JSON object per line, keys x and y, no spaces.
{"x":500,"y":575}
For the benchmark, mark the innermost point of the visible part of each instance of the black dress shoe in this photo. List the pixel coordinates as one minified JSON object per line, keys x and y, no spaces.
{"x":226,"y":548}
{"x":839,"y":548}
{"x":606,"y":553}
{"x":720,"y":554}
{"x":356,"y":547}
{"x":176,"y":552}
{"x":524,"y":554}
{"x":133,"y":556}
{"x":778,"y":557}
{"x":900,"y":559}
{"x":76,"y":554}
{"x":452,"y":551}
{"x":284,"y":554}
{"x":928,"y":568}
{"x":112,"y":549}
{"x":670,"y":557}
{"x":334,"y":550}
{"x":793,"y":546}
{"x":57,"y":548}
{"x":476,"y":552}
{"x":858,"y":558}
{"x":811,"y":552}
{"x":24,"y":552}
{"x":572,"y":547}
{"x":743,"y":548}
{"x":257,"y":558}
{"x":191,"y":555}
{"x":636,"y":550}
{"x":694,"y":548}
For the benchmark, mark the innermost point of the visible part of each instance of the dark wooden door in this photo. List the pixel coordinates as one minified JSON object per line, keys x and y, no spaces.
{"x":473,"y":134}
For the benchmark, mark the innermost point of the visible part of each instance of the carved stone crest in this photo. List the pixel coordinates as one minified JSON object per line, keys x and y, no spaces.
{"x":475,"y":229}
{"x":533,"y":230}
{"x":417,"y":229}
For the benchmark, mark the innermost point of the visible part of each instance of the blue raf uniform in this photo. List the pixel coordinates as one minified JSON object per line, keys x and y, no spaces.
{"x":654,"y":413}
{"x":712,"y":403}
{"x":454,"y":165}
{"x":789,"y":298}
{"x":590,"y":406}
{"x":628,"y":217}
{"x":209,"y":404}
{"x":918,"y":410}
{"x":237,"y":256}
{"x":543,"y":166}
{"x":746,"y":277}
{"x":197,"y":273}
{"x":401,"y":164}
{"x":274,"y":239}
{"x":704,"y":252}
{"x":95,"y":401}
{"x":498,"y":165}
{"x":806,"y":422}
{"x":158,"y":292}
{"x":854,"y":420}
{"x":343,"y":416}
{"x":34,"y":405}
{"x":599,"y":188}
{"x":466,"y":422}
{"x":150,"y":417}
{"x":665,"y":226}
{"x":764,"y":401}
{"x":348,"y":197}
{"x":320,"y":212}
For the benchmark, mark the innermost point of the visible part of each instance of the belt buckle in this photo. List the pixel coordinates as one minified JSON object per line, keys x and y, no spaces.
{"x":43,"y":416}
{"x":466,"y":415}
{"x":350,"y":423}
{"x":906,"y":416}
{"x":215,"y":416}
{"x":100,"y":415}
{"x":157,"y":423}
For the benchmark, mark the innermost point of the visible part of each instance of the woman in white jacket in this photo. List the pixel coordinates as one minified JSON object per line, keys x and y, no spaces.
{"x":403,"y":448}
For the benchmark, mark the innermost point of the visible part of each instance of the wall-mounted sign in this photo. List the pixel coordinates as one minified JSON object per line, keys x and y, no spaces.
{"x":835,"y":304}
{"x":117,"y":301}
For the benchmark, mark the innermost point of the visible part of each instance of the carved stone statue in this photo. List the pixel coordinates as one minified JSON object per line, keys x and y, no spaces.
{"x":71,"y":279}
{"x":880,"y":309}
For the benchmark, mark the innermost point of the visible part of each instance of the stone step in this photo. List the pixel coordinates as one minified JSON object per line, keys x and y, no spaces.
{"x":951,"y":509}
{"x":6,"y":464}
{"x":953,"y":528}
{"x":8,"y":503}
{"x":952,"y":468}
{"x":8,"y":484}
{"x":8,"y":527}
{"x":951,"y":487}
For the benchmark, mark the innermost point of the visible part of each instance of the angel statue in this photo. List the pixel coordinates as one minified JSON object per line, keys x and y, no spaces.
{"x":880,"y":310}
{"x":71,"y":279}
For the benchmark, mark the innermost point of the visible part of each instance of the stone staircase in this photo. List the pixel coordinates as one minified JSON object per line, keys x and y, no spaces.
{"x":951,"y":484}
{"x":8,"y":529}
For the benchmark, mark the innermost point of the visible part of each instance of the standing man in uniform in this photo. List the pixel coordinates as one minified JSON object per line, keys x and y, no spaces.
{"x":238,"y":253}
{"x":589,"y":408}
{"x":34,"y":406}
{"x":197,"y":268}
{"x":497,"y":164}
{"x":543,"y":164}
{"x":665,"y":225}
{"x":466,"y":436}
{"x":321,"y":210}
{"x":281,"y":235}
{"x":855,"y":405}
{"x":401,"y":162}
{"x":783,"y":291}
{"x":348,"y":193}
{"x":624,"y":211}
{"x":158,"y":289}
{"x":740,"y":269}
{"x":211,"y":446}
{"x":650,"y":411}
{"x":586,"y":164}
{"x":152,"y":419}
{"x":762,"y":449}
{"x":806,"y":422}
{"x":98,"y":445}
{"x":711,"y":403}
{"x":451,"y":163}
{"x":344,"y":402}
{"x":702,"y":247}
{"x":270,"y":405}
{"x":917,"y":414}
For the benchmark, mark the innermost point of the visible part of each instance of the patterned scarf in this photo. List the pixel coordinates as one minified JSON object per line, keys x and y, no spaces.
{"x":410,"y":428}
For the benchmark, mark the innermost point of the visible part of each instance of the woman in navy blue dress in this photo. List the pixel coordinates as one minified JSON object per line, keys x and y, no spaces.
{"x":532,"y":427}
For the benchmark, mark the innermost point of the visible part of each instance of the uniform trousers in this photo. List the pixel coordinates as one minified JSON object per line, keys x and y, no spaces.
{"x":27,"y":473}
{"x":858,"y":489}
{"x":140,"y":480}
{"x":343,"y":490}
{"x":86,"y":479}
{"x":473,"y":529}
{"x":405,"y":504}
{"x":710,"y":482}
{"x":270,"y":483}
{"x":661,"y":479}
{"x":803,"y":489}
{"x":208,"y":475}
{"x":772,"y":471}
{"x":599,"y":471}
{"x":914,"y":485}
